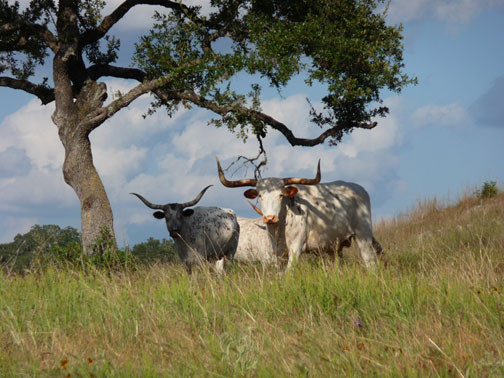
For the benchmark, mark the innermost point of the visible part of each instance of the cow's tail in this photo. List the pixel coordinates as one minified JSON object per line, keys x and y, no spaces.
{"x":378,"y":248}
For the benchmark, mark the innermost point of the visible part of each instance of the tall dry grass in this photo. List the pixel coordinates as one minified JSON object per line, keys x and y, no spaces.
{"x":435,"y":307}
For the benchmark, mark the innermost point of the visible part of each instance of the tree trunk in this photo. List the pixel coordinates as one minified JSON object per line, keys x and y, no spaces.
{"x":77,"y":98}
{"x":96,"y":214}
{"x":72,"y":119}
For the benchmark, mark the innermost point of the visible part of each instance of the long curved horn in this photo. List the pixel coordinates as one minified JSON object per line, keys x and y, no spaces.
{"x":304,"y":181}
{"x":233,"y":184}
{"x":255,"y":208}
{"x":147,"y":203}
{"x":196,"y":200}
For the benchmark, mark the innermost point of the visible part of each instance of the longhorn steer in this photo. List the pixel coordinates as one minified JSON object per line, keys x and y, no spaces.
{"x":312,"y":216}
{"x":201,"y":233}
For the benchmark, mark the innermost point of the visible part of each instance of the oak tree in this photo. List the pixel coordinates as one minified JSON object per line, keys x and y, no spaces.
{"x":189,"y":59}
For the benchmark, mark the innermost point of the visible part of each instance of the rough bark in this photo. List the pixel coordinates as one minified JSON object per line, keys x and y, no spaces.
{"x":80,"y":173}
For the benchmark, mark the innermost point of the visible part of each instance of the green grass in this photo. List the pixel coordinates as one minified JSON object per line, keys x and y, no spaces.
{"x":434,"y":308}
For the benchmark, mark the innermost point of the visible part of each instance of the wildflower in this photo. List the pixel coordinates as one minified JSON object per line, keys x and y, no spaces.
{"x":64,"y":363}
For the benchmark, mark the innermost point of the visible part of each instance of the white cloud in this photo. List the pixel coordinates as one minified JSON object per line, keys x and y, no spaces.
{"x":199,"y":140}
{"x":386,"y":135}
{"x":294,"y":112}
{"x":447,"y":115}
{"x":30,"y":129}
{"x":456,"y":12}
{"x":29,"y":140}
{"x":35,"y":189}
{"x":118,"y":162}
{"x":408,"y":10}
{"x":34,"y":176}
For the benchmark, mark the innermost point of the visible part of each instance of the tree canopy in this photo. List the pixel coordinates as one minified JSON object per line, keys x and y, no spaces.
{"x":345,"y":45}
{"x":189,"y":58}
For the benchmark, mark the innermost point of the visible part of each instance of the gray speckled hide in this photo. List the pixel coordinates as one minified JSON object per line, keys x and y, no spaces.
{"x":199,"y":233}
{"x":209,"y":233}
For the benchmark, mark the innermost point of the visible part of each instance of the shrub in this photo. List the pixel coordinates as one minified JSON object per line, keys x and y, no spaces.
{"x":488,"y":190}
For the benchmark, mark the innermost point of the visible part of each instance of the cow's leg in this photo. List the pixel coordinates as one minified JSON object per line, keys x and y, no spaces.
{"x":296,"y":246}
{"x":293,"y":258}
{"x":342,"y":244}
{"x":366,"y":250}
{"x":219,"y":266}
{"x":340,"y":254}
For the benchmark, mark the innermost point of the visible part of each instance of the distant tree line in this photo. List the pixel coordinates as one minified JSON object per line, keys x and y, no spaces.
{"x":45,"y":241}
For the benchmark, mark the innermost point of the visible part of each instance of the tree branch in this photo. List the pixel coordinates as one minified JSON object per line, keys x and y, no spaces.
{"x":252,"y":161}
{"x":29,"y":30}
{"x":100,"y":115}
{"x":94,"y":35}
{"x":97,"y":71}
{"x":157,"y":86}
{"x":222,"y":110}
{"x":45,"y":94}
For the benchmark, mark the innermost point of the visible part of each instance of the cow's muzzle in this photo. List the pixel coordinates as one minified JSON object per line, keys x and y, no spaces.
{"x":174,"y":234}
{"x":270,"y":219}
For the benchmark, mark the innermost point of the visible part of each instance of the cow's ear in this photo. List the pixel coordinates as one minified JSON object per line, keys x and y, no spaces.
{"x":188,"y":212}
{"x":251,"y":193}
{"x":158,"y":215}
{"x":290,"y":191}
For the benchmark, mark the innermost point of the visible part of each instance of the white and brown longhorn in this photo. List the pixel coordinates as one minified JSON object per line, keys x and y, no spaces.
{"x":287,"y":190}
{"x":312,"y":216}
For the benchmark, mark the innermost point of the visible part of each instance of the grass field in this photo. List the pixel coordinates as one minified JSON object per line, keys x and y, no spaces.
{"x":434,"y":308}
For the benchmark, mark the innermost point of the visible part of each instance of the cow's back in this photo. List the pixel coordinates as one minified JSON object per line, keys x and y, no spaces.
{"x":330,"y":213}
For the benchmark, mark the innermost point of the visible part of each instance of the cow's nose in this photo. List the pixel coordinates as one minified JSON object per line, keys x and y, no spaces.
{"x":270,"y":219}
{"x":174,"y":234}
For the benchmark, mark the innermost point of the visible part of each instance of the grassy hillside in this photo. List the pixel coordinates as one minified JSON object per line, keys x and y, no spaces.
{"x":434,"y":308}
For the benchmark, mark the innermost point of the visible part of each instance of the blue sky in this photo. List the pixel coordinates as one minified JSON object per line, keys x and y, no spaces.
{"x":443,"y":137}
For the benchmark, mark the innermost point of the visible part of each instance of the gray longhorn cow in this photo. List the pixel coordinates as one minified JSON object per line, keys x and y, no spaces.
{"x":200,"y":233}
{"x":312,"y":217}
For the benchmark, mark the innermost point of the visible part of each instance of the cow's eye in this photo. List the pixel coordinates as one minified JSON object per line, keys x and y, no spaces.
{"x":280,"y":195}
{"x":260,"y":196}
